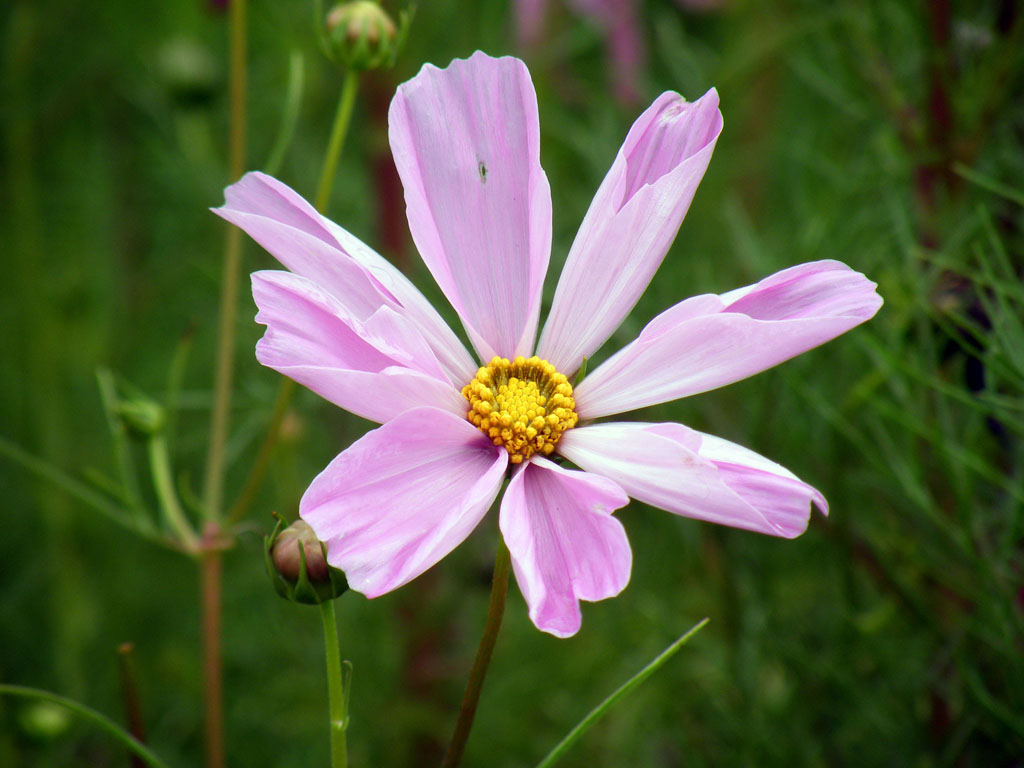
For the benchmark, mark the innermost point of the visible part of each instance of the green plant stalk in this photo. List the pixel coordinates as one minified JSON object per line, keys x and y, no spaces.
{"x":175,"y":378}
{"x":339,"y":131}
{"x":122,"y":452}
{"x":96,"y":718}
{"x":213,"y":487}
{"x":495,"y":612}
{"x":76,"y":489}
{"x":289,"y":115}
{"x":163,"y":484}
{"x":214,"y":482}
{"x":595,"y":714}
{"x":259,"y":467}
{"x":335,"y":687}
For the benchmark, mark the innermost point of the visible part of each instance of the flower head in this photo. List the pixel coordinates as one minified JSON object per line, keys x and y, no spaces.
{"x":349,"y":326}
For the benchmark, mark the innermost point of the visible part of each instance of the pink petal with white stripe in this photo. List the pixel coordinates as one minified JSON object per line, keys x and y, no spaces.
{"x":375,"y":368}
{"x":769,"y":487}
{"x":308,"y":244}
{"x":707,"y":341}
{"x":402,"y":497}
{"x":466,"y":142}
{"x":565,"y":544}
{"x":694,"y":475}
{"x":630,"y":225}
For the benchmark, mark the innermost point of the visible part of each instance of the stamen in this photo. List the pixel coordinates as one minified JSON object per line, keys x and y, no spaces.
{"x":524,"y":405}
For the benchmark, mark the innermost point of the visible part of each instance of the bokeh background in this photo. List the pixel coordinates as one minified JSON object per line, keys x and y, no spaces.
{"x":885,"y":134}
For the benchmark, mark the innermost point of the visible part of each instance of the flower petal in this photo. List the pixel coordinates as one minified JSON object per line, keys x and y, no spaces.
{"x":630,"y":225}
{"x":710,"y":341}
{"x":772,"y":489}
{"x":695,"y":475}
{"x":375,"y":369}
{"x":564,"y":542}
{"x":466,"y":143}
{"x":402,"y":497}
{"x":311,"y":245}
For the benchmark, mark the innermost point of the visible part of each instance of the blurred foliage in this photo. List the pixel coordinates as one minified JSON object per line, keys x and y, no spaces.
{"x":885,"y":134}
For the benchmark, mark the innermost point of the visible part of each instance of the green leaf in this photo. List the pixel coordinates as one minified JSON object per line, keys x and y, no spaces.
{"x":595,"y":714}
{"x":87,"y":713}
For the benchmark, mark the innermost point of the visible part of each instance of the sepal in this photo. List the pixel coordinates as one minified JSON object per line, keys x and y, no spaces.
{"x":296,"y":562}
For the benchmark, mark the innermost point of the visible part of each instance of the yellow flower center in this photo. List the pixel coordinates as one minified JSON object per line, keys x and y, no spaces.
{"x":524,"y":405}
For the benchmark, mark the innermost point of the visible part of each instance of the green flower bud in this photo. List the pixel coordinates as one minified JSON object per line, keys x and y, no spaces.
{"x":141,"y":416}
{"x":297,"y":565}
{"x":44,"y":721}
{"x":361,"y":35}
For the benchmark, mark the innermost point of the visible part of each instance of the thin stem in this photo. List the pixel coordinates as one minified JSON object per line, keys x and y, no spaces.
{"x":163,"y":484}
{"x":118,"y":432}
{"x":584,"y":725}
{"x":259,"y":467}
{"x":214,"y":482}
{"x":96,"y":718}
{"x":76,"y":489}
{"x":495,"y":612}
{"x":130,"y":696}
{"x":210,"y":599}
{"x":289,"y":113}
{"x":338,"y":132}
{"x":335,"y":687}
{"x":213,"y":487}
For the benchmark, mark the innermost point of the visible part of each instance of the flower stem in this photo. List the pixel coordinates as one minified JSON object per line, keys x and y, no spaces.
{"x":342,"y":117}
{"x":88,"y":713}
{"x":130,"y":695}
{"x":160,"y":466}
{"x":495,"y":612}
{"x":335,"y":687}
{"x":213,"y":489}
{"x":259,"y":467}
{"x":213,"y":695}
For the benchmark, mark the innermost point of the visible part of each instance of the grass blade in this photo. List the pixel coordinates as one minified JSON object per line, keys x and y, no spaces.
{"x":595,"y":714}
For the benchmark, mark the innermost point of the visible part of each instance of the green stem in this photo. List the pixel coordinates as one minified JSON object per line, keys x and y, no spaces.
{"x":96,"y":718}
{"x":595,"y":714}
{"x":214,"y":482}
{"x":338,"y":132}
{"x":259,"y":467}
{"x":118,"y":432}
{"x":342,"y":118}
{"x":289,"y":114}
{"x":163,"y":484}
{"x":76,"y":489}
{"x":495,"y":612}
{"x":335,"y":687}
{"x":213,"y":487}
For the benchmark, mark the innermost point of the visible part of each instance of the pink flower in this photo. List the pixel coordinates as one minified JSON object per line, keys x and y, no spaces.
{"x":349,"y":326}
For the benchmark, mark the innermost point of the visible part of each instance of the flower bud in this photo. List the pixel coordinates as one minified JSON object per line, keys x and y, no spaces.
{"x":141,"y":416}
{"x":361,"y":35}
{"x":297,"y":565}
{"x":44,"y":721}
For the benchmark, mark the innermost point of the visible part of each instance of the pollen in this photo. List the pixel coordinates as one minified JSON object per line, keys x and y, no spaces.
{"x":524,"y":405}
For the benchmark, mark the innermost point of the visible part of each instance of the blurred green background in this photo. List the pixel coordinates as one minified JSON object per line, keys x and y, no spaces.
{"x":888,"y":135}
